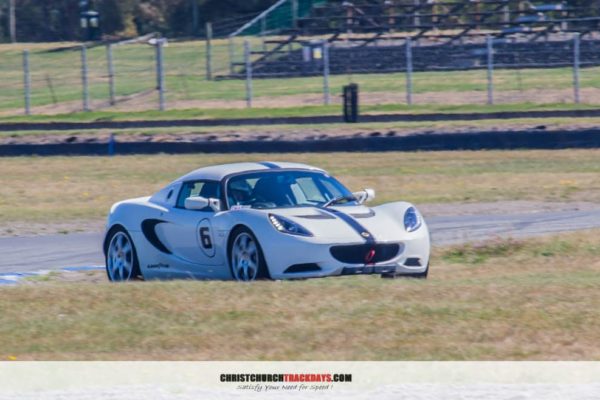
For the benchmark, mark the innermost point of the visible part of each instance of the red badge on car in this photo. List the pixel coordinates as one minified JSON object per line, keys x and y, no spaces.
{"x":370,"y":256}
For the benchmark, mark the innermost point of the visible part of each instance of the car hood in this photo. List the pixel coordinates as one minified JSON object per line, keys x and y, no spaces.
{"x":346,"y":223}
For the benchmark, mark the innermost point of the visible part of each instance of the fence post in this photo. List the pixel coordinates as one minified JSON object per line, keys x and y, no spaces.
{"x":27,"y":82}
{"x":12,"y":20}
{"x":248,"y":63}
{"x":111,"y":145}
{"x":263,"y":31}
{"x":326,"y":93}
{"x":506,"y":15}
{"x":576,"y":67}
{"x":295,"y":13}
{"x":160,"y":75}
{"x":490,"y":69}
{"x":416,"y":15}
{"x":209,"y":33}
{"x":409,"y":70}
{"x":231,"y":55}
{"x":111,"y":74}
{"x":84,"y":79}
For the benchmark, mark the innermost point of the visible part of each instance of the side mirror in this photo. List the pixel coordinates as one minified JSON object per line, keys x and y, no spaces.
{"x":365,"y":195}
{"x":196,"y":203}
{"x":199,"y":203}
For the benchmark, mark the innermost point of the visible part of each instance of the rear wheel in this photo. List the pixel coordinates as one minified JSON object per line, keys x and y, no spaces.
{"x":420,"y":275}
{"x":121,"y":258}
{"x":245,"y":256}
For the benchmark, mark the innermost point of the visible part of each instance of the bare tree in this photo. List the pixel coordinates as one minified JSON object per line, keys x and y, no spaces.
{"x":12,"y":24}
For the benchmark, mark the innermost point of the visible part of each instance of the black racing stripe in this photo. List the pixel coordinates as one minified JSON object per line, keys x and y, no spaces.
{"x":361,"y":230}
{"x":148,"y":229}
{"x":270,"y":165}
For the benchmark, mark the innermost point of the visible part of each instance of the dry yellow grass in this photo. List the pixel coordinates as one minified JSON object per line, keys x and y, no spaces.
{"x":53,"y":189}
{"x":531,"y":300}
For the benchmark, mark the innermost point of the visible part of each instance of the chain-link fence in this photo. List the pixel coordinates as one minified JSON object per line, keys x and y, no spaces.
{"x":54,"y":79}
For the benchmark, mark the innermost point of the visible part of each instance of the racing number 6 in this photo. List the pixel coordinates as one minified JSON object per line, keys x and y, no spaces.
{"x":205,"y":238}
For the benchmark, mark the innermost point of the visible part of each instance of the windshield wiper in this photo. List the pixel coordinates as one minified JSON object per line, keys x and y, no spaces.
{"x":349,"y":197}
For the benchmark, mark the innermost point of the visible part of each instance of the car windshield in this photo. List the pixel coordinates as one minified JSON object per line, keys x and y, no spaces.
{"x":276,"y":189}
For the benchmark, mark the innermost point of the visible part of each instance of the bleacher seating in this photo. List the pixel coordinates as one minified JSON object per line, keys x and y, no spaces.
{"x":369,"y":35}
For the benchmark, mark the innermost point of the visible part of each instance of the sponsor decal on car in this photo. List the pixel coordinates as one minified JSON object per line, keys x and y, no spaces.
{"x":239,"y":207}
{"x":158,"y":266}
{"x":370,"y":256}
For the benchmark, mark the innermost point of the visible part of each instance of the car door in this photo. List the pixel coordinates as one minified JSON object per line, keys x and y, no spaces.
{"x":189,"y":233}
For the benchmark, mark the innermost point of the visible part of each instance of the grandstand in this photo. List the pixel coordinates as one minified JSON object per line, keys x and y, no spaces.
{"x":367,"y":36}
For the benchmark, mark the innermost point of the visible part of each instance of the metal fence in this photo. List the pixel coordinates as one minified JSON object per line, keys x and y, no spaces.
{"x":158,"y":75}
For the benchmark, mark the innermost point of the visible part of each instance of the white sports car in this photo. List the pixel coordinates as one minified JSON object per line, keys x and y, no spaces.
{"x":262,"y":220}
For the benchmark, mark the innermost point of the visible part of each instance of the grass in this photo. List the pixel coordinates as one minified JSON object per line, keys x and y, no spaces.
{"x":301,"y":111}
{"x":56,"y":82}
{"x":479,"y":253}
{"x":522,"y":300}
{"x":62,"y":189}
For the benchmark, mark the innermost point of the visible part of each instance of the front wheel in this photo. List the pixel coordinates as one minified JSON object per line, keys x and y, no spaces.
{"x":121,"y":258}
{"x":245,"y":256}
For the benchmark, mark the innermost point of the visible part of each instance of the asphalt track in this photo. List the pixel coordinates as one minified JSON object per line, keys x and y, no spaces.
{"x":55,"y":252}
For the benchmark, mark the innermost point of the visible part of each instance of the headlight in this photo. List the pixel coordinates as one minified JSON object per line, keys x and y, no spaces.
{"x":284,"y":225}
{"x":412,"y":220}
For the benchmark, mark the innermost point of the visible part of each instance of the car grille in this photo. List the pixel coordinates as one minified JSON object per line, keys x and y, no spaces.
{"x":365,"y":253}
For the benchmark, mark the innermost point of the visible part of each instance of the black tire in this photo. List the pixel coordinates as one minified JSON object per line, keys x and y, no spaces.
{"x":135,"y":273}
{"x":420,"y":275}
{"x":263,"y":270}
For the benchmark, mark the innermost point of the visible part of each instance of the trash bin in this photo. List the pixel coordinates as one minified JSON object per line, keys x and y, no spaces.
{"x":351,"y":103}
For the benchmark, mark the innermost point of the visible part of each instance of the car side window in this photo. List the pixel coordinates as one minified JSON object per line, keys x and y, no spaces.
{"x":207,"y":189}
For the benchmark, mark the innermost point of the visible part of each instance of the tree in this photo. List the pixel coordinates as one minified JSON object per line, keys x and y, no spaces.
{"x":53,"y":20}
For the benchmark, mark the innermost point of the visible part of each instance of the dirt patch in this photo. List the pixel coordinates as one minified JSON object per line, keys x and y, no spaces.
{"x":324,"y":132}
{"x":24,"y":228}
{"x":95,"y":276}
